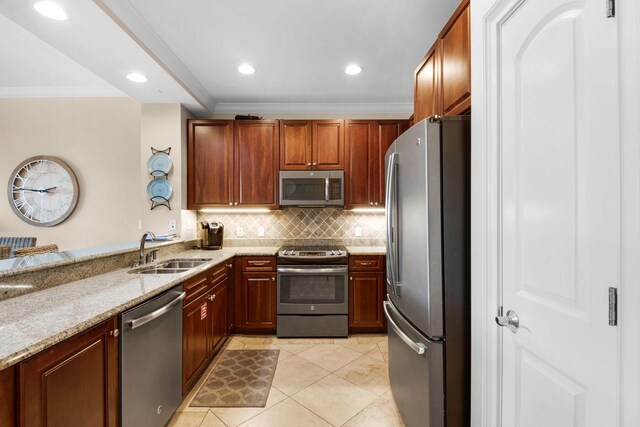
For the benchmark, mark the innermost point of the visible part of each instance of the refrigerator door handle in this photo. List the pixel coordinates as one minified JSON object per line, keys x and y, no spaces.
{"x":418,"y":347}
{"x":391,"y":274}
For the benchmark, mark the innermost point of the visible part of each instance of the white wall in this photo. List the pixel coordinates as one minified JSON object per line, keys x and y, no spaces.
{"x":100,"y":139}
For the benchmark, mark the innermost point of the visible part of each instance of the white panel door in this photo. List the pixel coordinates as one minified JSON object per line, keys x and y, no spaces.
{"x":560,"y":217}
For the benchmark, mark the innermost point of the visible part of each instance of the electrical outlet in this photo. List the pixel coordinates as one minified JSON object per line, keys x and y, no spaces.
{"x":172,"y":225}
{"x":358,"y":231}
{"x":260,"y":231}
{"x":239,"y":231}
{"x":139,"y":224}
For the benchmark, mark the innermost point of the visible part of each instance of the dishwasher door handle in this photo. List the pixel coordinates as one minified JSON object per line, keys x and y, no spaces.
{"x":136,"y":323}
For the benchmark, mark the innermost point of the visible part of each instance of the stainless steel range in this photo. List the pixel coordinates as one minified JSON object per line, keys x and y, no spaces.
{"x":313,"y":292}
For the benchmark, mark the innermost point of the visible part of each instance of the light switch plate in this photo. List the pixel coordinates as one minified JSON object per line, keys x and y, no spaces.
{"x":358,"y":231}
{"x":172,"y":225}
{"x":240,"y":231}
{"x":260,"y":231}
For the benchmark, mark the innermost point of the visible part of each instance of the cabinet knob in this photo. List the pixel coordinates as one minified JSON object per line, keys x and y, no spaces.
{"x":309,"y":164}
{"x":230,"y":203}
{"x":236,"y":203}
{"x":230,"y":265}
{"x":213,"y":297}
{"x":273,"y":279}
{"x":376,"y":203}
{"x":351,"y":278}
{"x":115,"y":332}
{"x":314,"y":163}
{"x":371,"y":203}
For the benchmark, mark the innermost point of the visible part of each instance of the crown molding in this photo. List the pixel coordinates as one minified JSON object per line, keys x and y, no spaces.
{"x":314,"y":108}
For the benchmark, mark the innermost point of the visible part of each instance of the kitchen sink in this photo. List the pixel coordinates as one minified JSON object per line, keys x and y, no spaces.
{"x":172,"y":266}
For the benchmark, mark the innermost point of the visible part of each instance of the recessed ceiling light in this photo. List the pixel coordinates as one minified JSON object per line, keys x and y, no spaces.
{"x":137,"y":77}
{"x":51,"y":10}
{"x":246,"y":69}
{"x":353,"y":69}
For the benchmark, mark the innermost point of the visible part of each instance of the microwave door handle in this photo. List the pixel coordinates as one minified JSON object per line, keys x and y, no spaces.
{"x":326,"y":189}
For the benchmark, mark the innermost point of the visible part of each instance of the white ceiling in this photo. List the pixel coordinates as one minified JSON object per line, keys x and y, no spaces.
{"x":190,"y":51}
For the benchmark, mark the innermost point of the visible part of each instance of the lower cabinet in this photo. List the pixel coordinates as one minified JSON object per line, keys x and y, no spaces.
{"x":195,"y":344}
{"x":7,"y":397}
{"x":218,"y":315}
{"x":259,"y":301}
{"x":73,"y":383}
{"x":366,"y":294}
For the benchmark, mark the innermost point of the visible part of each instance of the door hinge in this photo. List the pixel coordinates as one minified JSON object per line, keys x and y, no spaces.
{"x":613,"y":306}
{"x":611,"y":8}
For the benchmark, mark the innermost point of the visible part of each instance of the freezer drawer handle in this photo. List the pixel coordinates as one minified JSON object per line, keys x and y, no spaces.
{"x":418,"y":347}
{"x":136,"y":323}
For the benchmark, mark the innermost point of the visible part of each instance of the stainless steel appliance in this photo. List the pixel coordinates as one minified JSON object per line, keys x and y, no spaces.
{"x":212,"y":235}
{"x":311,"y":188}
{"x":313,"y":292}
{"x":151,"y":360}
{"x":428,"y":272}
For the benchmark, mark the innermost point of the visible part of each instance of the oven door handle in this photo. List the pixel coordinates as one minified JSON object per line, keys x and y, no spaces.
{"x":312,"y":270}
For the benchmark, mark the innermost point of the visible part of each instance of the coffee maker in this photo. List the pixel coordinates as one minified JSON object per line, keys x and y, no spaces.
{"x":212,"y":233}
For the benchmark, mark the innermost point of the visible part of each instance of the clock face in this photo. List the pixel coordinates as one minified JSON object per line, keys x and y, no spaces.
{"x":43,"y":191}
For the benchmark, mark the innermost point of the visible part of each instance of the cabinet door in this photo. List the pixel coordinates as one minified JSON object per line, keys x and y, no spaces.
{"x":366,"y":294}
{"x":360,"y":163}
{"x":385,"y":132}
{"x":426,"y":86}
{"x":257,"y":160}
{"x":259,"y":300}
{"x":195,"y":333}
{"x":328,"y":145}
{"x":7,"y":397}
{"x":456,"y":63}
{"x":209,"y":163}
{"x":218,"y":314}
{"x":231,"y":291}
{"x":73,"y":383}
{"x":295,"y":144}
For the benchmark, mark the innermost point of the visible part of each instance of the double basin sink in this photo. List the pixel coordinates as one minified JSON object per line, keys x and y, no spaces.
{"x":172,"y":266}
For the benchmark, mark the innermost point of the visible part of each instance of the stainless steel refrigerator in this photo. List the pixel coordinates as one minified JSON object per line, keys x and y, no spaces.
{"x":428,"y":272}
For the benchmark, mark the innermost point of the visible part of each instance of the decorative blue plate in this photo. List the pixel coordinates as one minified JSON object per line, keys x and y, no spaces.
{"x":159,"y":188}
{"x":159,"y":162}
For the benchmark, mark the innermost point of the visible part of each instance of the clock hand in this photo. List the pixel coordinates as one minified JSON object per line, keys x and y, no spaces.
{"x":35,"y":190}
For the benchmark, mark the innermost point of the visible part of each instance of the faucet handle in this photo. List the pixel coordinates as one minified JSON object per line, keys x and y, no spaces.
{"x":152,"y":256}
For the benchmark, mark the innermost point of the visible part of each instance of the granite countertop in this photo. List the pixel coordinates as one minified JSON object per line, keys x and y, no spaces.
{"x":33,"y":322}
{"x":366,"y":250}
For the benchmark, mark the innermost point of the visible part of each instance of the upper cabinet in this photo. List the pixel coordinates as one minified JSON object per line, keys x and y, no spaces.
{"x":232,"y":163}
{"x":210,"y":156}
{"x":456,"y":62}
{"x":312,"y":145}
{"x":257,"y":145}
{"x":367,"y":142}
{"x":443,"y":78}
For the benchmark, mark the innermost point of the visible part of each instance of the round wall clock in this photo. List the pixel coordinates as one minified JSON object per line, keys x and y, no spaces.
{"x":43,"y":191}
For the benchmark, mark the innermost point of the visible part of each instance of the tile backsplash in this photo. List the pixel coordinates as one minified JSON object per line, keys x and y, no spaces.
{"x":303,"y":223}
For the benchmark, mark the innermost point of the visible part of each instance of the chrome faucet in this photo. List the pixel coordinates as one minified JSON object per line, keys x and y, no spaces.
{"x":143,"y":258}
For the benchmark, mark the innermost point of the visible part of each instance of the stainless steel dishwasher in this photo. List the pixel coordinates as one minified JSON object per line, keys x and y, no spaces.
{"x":151,"y":360}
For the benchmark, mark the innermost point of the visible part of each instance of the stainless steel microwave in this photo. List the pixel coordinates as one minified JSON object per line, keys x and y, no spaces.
{"x":311,"y":188}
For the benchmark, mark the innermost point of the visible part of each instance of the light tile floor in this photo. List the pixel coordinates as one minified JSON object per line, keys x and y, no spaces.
{"x":318,"y":382}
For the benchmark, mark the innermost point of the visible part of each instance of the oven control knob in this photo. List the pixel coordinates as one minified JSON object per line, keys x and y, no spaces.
{"x":339,"y":252}
{"x":312,"y":308}
{"x":332,"y":252}
{"x":284,"y":252}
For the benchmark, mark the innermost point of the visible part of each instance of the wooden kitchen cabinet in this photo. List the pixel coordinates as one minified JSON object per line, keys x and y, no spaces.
{"x":257,"y":150}
{"x":7,"y":397}
{"x":195,"y":340}
{"x":312,"y":145}
{"x":455,"y":77}
{"x":73,"y":383}
{"x":295,"y":145}
{"x":210,"y":163}
{"x":426,"y":87}
{"x":367,"y":142}
{"x":442,"y":83}
{"x":259,"y":301}
{"x":218,"y":315}
{"x":232,"y":163}
{"x":366,"y":294}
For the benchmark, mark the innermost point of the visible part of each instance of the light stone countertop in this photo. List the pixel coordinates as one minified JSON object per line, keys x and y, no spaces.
{"x":366,"y":250}
{"x":33,"y":322}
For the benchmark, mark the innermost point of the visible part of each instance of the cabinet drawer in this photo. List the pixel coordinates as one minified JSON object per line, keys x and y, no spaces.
{"x":219,"y":272}
{"x":195,"y":286}
{"x":258,"y":263}
{"x":366,"y":262}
